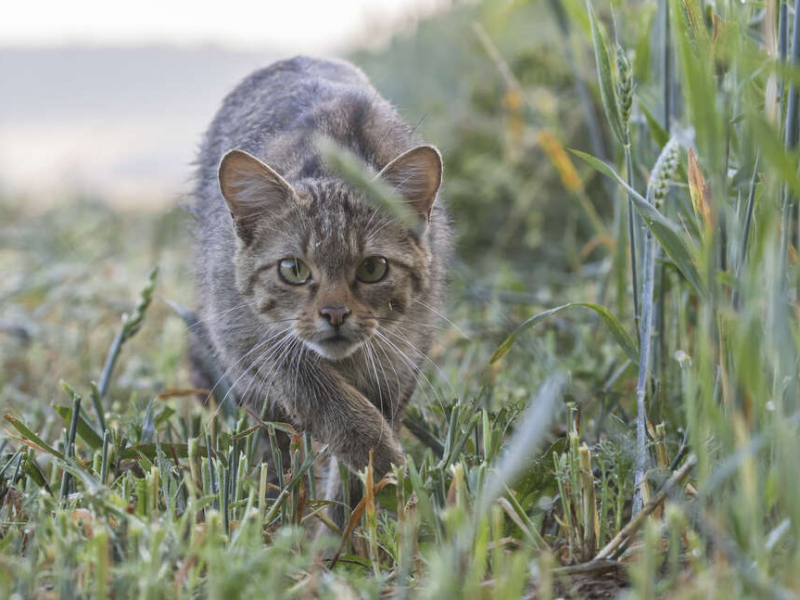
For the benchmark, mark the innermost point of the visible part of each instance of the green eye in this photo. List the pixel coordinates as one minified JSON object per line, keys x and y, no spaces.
{"x":373,"y":269}
{"x":294,"y":271}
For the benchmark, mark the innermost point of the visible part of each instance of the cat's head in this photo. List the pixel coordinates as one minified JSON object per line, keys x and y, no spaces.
{"x":316,"y":261}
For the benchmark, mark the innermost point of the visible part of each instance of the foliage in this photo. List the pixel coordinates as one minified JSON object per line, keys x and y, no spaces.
{"x":661,"y":461}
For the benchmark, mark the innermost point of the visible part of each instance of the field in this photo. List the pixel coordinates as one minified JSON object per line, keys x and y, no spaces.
{"x":611,"y":404}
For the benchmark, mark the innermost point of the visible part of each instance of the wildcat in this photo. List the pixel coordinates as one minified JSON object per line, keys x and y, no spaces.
{"x":311,"y":298}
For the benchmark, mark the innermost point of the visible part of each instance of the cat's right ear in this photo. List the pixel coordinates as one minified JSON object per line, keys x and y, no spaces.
{"x":416,"y":175}
{"x":251,"y":189}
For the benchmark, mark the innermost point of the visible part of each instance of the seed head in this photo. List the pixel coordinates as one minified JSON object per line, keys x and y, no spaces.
{"x":624,"y":86}
{"x":664,"y":171}
{"x":132,"y":323}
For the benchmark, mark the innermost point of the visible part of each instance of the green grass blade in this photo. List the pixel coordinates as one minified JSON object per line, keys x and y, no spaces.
{"x":657,"y":132}
{"x":74,"y":469}
{"x":614,"y":326}
{"x":97,"y":403}
{"x":30,"y":436}
{"x":695,"y":26}
{"x":150,"y":451}
{"x":34,"y":471}
{"x":87,"y":433}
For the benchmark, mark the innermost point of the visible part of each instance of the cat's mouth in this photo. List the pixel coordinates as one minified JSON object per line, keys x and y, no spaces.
{"x":335,"y":346}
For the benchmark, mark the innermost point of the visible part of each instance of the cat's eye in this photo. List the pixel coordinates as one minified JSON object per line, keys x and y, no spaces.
{"x":294,"y":271}
{"x":373,"y":269}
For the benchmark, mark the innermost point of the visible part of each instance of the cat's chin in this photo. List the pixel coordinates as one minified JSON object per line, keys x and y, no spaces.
{"x":334,"y":349}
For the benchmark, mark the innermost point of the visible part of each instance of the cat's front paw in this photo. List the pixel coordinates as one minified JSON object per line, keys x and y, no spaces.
{"x":386,"y":451}
{"x":385,"y":457}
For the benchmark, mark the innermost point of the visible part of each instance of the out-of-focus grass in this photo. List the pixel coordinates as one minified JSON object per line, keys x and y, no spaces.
{"x":554,"y":466}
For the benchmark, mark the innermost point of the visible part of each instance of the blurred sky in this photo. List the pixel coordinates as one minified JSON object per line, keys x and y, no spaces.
{"x":301,"y":25}
{"x":110,"y":98}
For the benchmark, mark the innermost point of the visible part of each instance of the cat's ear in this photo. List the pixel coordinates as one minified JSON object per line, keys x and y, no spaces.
{"x":416,"y":175}
{"x":251,"y":189}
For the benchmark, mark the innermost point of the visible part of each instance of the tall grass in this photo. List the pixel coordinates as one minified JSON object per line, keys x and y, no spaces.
{"x":649,"y":443}
{"x":738,"y":379}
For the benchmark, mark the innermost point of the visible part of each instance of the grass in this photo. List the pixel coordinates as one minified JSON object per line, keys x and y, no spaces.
{"x":647,"y":446}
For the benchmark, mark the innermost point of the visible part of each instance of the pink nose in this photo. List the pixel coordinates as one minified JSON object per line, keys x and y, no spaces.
{"x":335,"y":313}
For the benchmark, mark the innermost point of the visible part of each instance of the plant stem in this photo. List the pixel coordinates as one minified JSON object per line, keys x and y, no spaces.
{"x":658,"y":349}
{"x":659,"y":182}
{"x":791,"y":138}
{"x":69,"y":450}
{"x":225,"y":492}
{"x":648,"y":275}
{"x":632,"y":236}
{"x":97,"y":403}
{"x":667,"y":66}
{"x":736,"y":298}
{"x":589,"y":501}
{"x":783,"y":36}
{"x":211,"y":479}
{"x":111,"y":360}
{"x":104,"y":459}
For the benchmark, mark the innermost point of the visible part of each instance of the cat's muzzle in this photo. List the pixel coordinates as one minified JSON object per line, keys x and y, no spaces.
{"x":334,"y":344}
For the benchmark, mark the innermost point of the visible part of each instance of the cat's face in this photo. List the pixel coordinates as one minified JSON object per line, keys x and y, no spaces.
{"x":318,"y":263}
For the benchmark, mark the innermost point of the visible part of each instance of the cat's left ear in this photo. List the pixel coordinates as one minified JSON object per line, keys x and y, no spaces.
{"x":416,"y":175}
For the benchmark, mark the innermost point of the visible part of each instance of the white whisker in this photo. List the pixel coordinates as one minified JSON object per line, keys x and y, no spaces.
{"x":245,"y":371}
{"x":397,"y":390}
{"x":413,"y":366}
{"x":440,"y":315}
{"x":266,"y":340}
{"x":377,"y":379}
{"x":421,"y":353}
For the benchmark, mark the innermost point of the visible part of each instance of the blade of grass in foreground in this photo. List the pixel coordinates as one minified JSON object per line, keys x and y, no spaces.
{"x":529,"y":435}
{"x":353,"y":170}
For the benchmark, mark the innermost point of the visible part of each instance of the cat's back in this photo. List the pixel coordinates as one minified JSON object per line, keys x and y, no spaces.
{"x":278,"y":97}
{"x":275,"y":102}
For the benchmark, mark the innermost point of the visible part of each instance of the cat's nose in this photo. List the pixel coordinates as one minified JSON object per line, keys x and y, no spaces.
{"x":335,"y":313}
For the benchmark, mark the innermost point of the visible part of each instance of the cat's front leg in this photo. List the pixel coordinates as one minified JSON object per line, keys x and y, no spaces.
{"x":337,"y":414}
